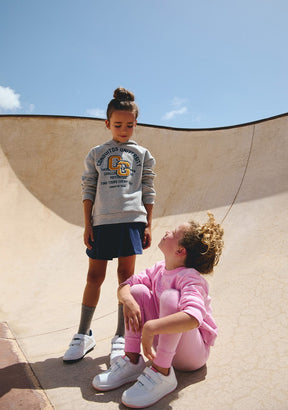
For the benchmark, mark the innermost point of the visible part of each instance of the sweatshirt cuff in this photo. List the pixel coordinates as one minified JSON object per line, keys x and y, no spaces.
{"x":88,"y":196}
{"x":195,"y":313}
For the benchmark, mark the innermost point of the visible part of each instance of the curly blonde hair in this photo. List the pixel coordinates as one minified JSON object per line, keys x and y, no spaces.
{"x":203,"y":244}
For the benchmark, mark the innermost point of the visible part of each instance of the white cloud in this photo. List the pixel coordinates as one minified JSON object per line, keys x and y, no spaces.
{"x":9,"y":100}
{"x":171,"y":114}
{"x":179,"y":108}
{"x":178,"y":102}
{"x":96,"y":112}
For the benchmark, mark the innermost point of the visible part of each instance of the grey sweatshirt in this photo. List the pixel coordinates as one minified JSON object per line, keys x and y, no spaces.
{"x":118,"y":179}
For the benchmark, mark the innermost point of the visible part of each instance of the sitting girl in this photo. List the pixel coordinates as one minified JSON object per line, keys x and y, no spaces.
{"x":167,"y":307}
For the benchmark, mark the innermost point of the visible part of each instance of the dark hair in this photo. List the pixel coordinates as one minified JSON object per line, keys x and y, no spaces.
{"x":123,"y":101}
{"x":203,"y":244}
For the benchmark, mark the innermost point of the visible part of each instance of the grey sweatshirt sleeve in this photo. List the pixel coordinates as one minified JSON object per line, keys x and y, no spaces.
{"x":148,"y":191}
{"x":89,"y":177}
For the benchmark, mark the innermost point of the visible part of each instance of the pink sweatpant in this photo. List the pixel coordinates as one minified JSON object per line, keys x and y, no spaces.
{"x":185,"y":351}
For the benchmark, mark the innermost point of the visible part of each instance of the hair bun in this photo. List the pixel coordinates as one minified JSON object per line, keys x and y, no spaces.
{"x":121,"y":94}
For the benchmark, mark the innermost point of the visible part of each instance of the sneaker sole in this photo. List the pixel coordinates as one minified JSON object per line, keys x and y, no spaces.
{"x":80,"y":358}
{"x":147,"y":405}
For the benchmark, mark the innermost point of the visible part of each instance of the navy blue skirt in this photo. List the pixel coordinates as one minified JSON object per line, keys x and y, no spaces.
{"x":115,"y":240}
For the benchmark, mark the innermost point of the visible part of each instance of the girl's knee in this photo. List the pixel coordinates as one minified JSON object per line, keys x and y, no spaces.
{"x":170,"y":296}
{"x":139,"y":291}
{"x":96,"y":272}
{"x":95,"y":278}
{"x":126,"y":266}
{"x":170,"y":300}
{"x":123,"y":275}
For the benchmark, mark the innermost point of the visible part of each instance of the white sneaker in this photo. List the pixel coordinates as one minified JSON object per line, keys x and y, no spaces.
{"x":79,"y":346}
{"x":121,"y":372}
{"x":117,"y":348}
{"x":150,"y":387}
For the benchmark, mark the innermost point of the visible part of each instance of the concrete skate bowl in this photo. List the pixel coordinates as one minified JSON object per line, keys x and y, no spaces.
{"x":240,"y":173}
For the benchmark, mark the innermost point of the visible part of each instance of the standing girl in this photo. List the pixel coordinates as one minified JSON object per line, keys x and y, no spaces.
{"x":167,"y":307}
{"x":118,"y":197}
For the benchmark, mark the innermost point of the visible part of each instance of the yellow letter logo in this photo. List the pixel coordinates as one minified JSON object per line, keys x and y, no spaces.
{"x":116,"y":164}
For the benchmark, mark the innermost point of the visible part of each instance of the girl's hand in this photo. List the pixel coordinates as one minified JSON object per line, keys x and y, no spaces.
{"x":132,"y":315}
{"x":88,"y":236}
{"x":147,"y":238}
{"x":147,"y":342}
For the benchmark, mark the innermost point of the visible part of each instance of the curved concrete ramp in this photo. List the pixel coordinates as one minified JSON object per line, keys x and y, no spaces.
{"x":240,"y":173}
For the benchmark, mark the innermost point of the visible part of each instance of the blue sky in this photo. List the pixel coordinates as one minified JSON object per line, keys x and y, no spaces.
{"x":190,"y":64}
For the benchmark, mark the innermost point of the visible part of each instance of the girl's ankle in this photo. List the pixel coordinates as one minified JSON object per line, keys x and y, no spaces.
{"x":134,"y":357}
{"x":163,"y":370}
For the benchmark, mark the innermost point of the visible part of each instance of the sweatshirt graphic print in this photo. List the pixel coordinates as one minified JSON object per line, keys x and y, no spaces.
{"x":118,"y":178}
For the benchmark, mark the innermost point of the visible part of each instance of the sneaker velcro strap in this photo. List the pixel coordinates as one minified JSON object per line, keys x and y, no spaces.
{"x":121,"y":362}
{"x":118,"y":340}
{"x":117,"y":346}
{"x":149,"y":378}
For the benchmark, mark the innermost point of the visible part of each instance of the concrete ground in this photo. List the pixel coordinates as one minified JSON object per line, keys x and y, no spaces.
{"x":239,"y":173}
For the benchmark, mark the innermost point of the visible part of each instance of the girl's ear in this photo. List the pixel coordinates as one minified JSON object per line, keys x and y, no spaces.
{"x":181,"y":251}
{"x":107,"y":122}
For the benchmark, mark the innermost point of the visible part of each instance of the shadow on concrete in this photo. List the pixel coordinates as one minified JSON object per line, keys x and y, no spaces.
{"x":54,"y":374}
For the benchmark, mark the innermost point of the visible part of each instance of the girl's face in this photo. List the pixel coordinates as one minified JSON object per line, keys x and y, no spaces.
{"x":121,"y":125}
{"x":169,"y":244}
